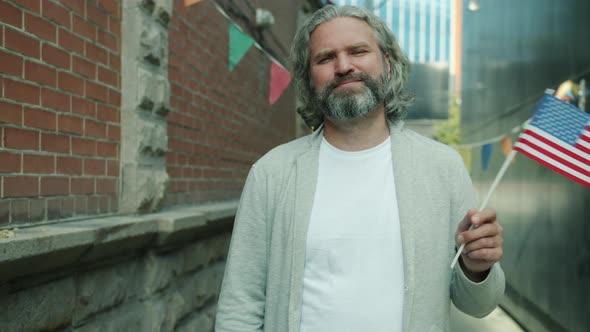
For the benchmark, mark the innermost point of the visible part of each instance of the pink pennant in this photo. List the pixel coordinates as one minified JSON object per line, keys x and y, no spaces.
{"x":279,"y":81}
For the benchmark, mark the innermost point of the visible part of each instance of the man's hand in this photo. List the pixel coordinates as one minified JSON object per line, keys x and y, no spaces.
{"x":483,"y":243}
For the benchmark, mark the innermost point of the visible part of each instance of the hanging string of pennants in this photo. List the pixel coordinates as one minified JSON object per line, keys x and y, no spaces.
{"x":239,"y":44}
{"x":465,"y":150}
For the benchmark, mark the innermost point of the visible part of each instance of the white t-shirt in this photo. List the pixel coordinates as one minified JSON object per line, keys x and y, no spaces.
{"x":353,"y":278}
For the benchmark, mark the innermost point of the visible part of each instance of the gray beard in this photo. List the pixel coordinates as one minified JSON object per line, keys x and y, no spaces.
{"x":351,"y":104}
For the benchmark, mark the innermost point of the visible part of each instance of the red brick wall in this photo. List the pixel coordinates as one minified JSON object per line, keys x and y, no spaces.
{"x":220,"y":121}
{"x":59,"y":108}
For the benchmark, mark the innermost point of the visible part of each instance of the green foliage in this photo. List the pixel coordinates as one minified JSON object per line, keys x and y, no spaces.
{"x":449,"y":131}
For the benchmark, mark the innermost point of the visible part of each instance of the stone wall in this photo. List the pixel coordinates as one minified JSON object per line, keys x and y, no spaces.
{"x":155,"y":273}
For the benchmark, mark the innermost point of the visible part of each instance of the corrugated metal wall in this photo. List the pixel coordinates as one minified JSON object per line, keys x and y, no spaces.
{"x":513,"y":51}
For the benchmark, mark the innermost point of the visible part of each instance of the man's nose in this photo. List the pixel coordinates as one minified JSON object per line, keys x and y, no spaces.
{"x":343,"y":66}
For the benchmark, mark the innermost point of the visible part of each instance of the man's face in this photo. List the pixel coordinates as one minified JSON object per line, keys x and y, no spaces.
{"x":347,"y":69}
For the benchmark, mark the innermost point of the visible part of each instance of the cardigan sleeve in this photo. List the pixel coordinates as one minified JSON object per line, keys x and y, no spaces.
{"x":475,"y":299}
{"x":242,"y":298}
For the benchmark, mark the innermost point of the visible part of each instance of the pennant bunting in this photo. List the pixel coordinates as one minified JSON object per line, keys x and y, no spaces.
{"x":559,"y":137}
{"x":239,"y":44}
{"x":486,"y":153}
{"x":506,"y":145}
{"x":279,"y":81}
{"x":465,"y":154}
{"x":188,"y":3}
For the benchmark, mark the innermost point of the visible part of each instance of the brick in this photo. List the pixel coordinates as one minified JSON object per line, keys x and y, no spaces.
{"x":94,"y":167}
{"x":4,"y":212}
{"x":33,"y":5}
{"x":55,"y":100}
{"x":83,"y":106}
{"x":83,"y":67}
{"x":21,"y":186}
{"x":80,"y":206}
{"x":96,"y":92}
{"x":108,"y":76}
{"x":23,"y":92}
{"x":84,"y":147}
{"x":21,"y":43}
{"x":106,"y":186}
{"x":70,"y":83}
{"x":83,"y":28}
{"x":11,"y":15}
{"x":106,"y":149}
{"x":11,"y":64}
{"x":80,"y":186}
{"x":16,"y":138}
{"x":107,"y":40}
{"x":55,"y":143}
{"x":11,"y":113}
{"x":41,"y":28}
{"x":19,"y":210}
{"x":97,"y":15}
{"x":111,"y":6}
{"x":114,"y":97}
{"x":103,"y":205}
{"x":92,"y":205}
{"x":10,"y":162}
{"x":96,"y":53}
{"x":106,"y":113}
{"x":113,"y":168}
{"x":69,"y":166}
{"x":56,"y":13}
{"x":114,"y":202}
{"x":70,"y":42}
{"x":56,"y":56}
{"x":54,"y":208}
{"x":115,"y":62}
{"x":114,"y":133}
{"x":115,"y":26}
{"x":70,"y":124}
{"x":94,"y":129}
{"x":55,"y":186}
{"x":40,"y":73}
{"x":41,"y":119}
{"x":76,"y":5}
{"x":38,"y":164}
{"x":37,"y":210}
{"x":67,"y":207}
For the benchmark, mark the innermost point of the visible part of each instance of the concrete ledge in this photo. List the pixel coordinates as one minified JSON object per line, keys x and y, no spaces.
{"x":44,"y":248}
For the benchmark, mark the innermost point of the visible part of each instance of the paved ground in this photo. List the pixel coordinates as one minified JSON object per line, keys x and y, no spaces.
{"x":497,"y":321}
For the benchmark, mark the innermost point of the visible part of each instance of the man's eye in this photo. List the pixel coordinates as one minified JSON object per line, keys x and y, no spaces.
{"x":324,"y":60}
{"x":356,"y":52}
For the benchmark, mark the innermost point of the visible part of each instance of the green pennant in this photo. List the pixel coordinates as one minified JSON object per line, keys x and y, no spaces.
{"x":239,"y":44}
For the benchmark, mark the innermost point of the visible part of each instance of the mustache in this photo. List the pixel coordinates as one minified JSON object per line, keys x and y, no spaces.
{"x":363,"y":77}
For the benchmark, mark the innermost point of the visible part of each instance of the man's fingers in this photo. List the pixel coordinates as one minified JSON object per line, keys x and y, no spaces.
{"x":486,"y":254}
{"x":486,"y":215}
{"x":466,"y":222}
{"x":484,"y":243}
{"x":485,"y":230}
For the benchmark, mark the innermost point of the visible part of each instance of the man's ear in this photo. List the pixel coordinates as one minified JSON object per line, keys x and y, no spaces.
{"x":388,"y":65}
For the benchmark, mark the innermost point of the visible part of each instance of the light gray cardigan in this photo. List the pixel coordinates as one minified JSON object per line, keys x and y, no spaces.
{"x":263,"y":280}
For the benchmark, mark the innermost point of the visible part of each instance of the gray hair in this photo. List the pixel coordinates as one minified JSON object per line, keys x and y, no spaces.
{"x":397,"y":98}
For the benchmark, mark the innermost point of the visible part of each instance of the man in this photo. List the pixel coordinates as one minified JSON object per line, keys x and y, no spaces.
{"x":353,"y":228}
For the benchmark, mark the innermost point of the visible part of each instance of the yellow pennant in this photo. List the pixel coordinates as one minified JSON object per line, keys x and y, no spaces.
{"x":506,"y":145}
{"x":190,"y":2}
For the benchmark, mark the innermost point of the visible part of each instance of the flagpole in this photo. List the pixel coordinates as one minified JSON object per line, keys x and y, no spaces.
{"x":499,"y":176}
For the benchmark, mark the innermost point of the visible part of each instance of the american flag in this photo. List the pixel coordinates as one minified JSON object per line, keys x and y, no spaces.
{"x":559,"y":137}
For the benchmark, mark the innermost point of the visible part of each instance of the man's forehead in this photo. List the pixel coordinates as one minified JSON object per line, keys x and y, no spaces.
{"x":342,"y":32}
